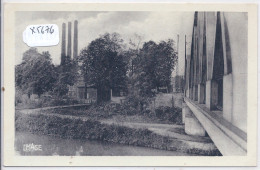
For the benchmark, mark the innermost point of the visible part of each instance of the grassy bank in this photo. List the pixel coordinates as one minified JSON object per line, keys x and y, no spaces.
{"x":162,"y":114}
{"x":90,"y":129}
{"x":73,"y":128}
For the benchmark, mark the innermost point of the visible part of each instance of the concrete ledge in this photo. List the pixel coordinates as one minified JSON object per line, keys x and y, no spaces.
{"x":228,"y":139}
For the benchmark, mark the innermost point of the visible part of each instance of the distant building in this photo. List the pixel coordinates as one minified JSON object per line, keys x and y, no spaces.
{"x":91,"y":94}
{"x":216,"y":80}
{"x":78,"y":90}
{"x":83,"y":92}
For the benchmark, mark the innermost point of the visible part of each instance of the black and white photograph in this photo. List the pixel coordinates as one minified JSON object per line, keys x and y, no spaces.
{"x":131,"y":83}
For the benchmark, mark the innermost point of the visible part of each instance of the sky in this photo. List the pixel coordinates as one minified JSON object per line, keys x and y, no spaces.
{"x":154,"y":26}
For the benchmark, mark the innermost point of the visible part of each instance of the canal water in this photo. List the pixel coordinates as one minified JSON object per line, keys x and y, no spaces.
{"x":42,"y":145}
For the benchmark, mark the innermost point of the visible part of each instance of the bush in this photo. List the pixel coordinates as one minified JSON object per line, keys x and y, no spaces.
{"x":135,"y":105}
{"x":61,"y":102}
{"x":171,"y":114}
{"x":113,"y":108}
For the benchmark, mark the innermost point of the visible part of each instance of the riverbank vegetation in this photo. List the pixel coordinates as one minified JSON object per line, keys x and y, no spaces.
{"x":124,"y":112}
{"x":76,"y":128}
{"x":90,"y":129}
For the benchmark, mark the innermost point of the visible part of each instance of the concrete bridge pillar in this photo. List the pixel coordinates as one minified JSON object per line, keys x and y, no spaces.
{"x":191,"y":93}
{"x":228,"y":97}
{"x":211,"y":94}
{"x":195,"y":92}
{"x":187,"y":94}
{"x":201,"y":93}
{"x":192,"y":125}
{"x":184,"y":110}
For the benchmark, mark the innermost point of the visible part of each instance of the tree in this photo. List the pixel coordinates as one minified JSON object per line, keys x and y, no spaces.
{"x":66,"y":76}
{"x":145,"y":69}
{"x":103,"y":65}
{"x":35,"y":75}
{"x":166,"y":58}
{"x":154,"y":66}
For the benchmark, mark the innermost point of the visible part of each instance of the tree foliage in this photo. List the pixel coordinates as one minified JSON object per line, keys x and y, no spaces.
{"x":166,"y":59}
{"x":154,"y":66}
{"x":67,"y":76}
{"x":36,"y":73}
{"x":103,"y":65}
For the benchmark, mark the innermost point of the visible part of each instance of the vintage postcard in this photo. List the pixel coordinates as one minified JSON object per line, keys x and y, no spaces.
{"x":151,"y":84}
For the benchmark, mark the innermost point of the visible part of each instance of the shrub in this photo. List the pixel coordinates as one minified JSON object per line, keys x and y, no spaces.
{"x":113,"y":108}
{"x":135,"y":105}
{"x":171,"y":114}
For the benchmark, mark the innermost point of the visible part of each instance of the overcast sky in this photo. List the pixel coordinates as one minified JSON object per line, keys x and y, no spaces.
{"x":154,"y":26}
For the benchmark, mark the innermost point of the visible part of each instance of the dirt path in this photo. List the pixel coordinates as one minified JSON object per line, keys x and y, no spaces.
{"x":161,"y":129}
{"x":54,"y":107}
{"x":36,"y":110}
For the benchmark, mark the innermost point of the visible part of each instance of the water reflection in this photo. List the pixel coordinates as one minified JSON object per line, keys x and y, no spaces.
{"x":70,"y":147}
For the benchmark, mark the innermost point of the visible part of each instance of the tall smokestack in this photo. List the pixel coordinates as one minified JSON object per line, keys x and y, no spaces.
{"x":75,"y":43}
{"x":69,"y":40}
{"x":63,"y":43}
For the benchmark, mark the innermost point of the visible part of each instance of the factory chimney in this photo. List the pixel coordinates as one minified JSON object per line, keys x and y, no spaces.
{"x":69,"y":41}
{"x":75,"y":43}
{"x":63,"y":44}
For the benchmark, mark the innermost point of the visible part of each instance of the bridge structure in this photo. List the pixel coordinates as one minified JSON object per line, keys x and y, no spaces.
{"x":215,"y":95}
